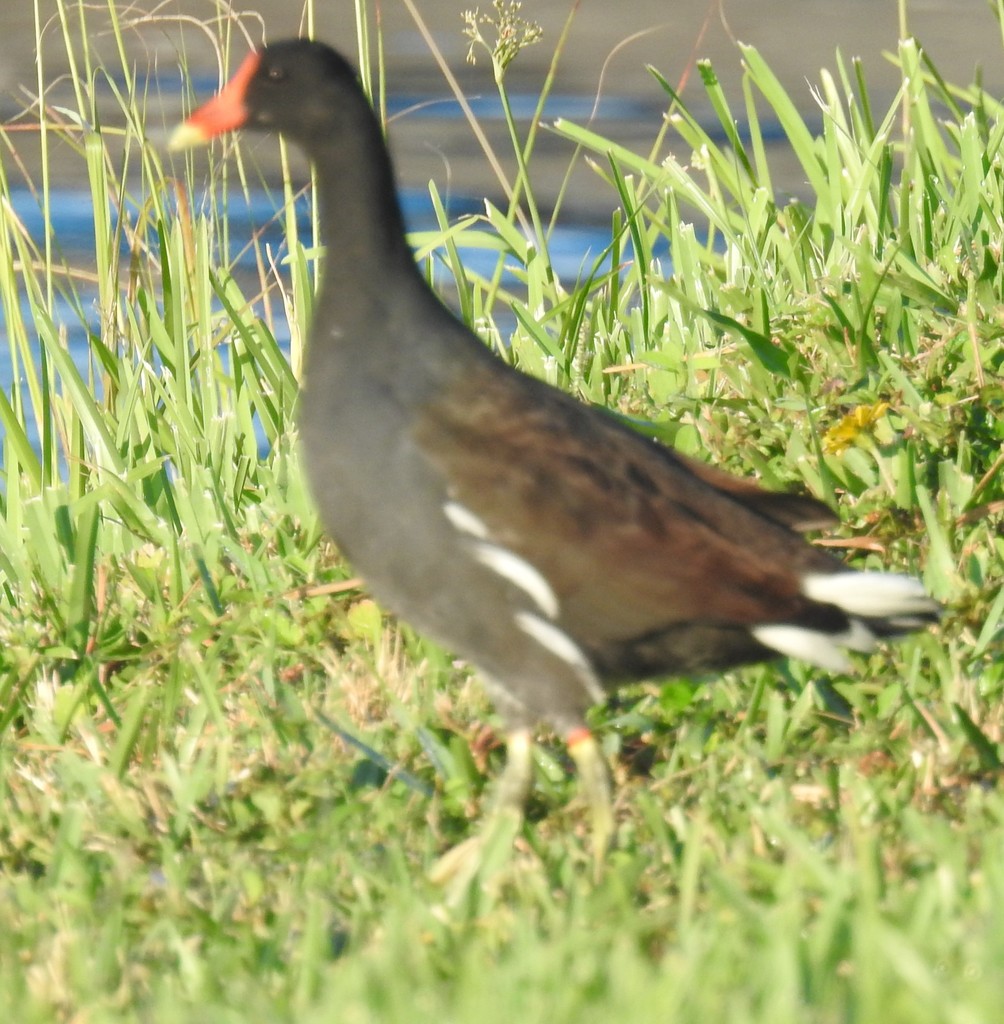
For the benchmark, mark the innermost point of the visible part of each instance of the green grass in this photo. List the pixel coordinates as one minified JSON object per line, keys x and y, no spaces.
{"x":216,"y":755}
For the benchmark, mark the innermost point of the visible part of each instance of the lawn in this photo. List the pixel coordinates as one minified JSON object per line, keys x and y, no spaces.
{"x":225,"y":772}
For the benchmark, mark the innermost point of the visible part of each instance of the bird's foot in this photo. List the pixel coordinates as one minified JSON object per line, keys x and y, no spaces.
{"x":480,"y":860}
{"x":482,"y":857}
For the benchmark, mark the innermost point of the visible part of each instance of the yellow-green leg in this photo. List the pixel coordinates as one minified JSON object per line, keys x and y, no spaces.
{"x":490,"y":847}
{"x":594,"y":781}
{"x":494,"y":838}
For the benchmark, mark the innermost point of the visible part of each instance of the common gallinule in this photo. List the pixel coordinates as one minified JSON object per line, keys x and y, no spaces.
{"x":550,"y":545}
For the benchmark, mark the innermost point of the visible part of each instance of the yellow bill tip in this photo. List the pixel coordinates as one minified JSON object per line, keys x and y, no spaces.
{"x":187,"y":136}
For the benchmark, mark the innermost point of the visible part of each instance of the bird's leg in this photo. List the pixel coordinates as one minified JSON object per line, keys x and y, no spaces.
{"x":595,"y":783}
{"x":514,"y":785}
{"x":504,"y":819}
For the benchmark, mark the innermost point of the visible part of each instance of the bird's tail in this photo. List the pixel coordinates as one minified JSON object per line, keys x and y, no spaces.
{"x":875,"y":605}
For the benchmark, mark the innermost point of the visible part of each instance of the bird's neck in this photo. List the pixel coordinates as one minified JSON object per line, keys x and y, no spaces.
{"x":372,"y":298}
{"x":362,"y":225}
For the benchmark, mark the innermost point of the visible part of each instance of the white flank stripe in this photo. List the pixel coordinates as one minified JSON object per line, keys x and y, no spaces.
{"x":807,"y":644}
{"x":465,"y":520}
{"x":501,"y":560}
{"x":564,"y":647}
{"x":871,"y":594}
{"x":520,"y":572}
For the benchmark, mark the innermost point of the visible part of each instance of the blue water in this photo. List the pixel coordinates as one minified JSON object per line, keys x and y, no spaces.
{"x":488,"y":106}
{"x":573,"y":249}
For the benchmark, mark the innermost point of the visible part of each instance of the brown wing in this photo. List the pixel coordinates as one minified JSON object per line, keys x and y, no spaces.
{"x":796,"y":511}
{"x":649,"y":539}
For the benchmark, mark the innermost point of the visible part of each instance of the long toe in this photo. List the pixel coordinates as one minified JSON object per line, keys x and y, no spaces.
{"x":480,"y":859}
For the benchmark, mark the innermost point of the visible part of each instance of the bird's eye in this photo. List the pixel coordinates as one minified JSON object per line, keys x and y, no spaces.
{"x":276,"y":73}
